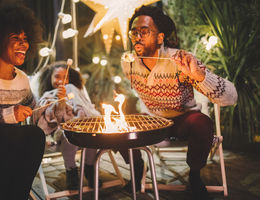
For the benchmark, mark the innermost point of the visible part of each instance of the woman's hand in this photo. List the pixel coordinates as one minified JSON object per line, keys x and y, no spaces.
{"x":22,"y":112}
{"x":61,"y":93}
{"x":188,"y":64}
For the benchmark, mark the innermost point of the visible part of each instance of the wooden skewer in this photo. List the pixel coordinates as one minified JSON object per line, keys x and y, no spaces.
{"x":69,"y":63}
{"x":48,"y":104}
{"x":69,"y":96}
{"x":165,"y":58}
{"x":131,"y":57}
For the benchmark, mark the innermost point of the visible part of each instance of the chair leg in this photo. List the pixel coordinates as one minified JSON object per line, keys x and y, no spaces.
{"x":223,"y":172}
{"x":32,"y":196}
{"x":118,"y":173}
{"x":43,"y":181}
{"x":144,"y":178}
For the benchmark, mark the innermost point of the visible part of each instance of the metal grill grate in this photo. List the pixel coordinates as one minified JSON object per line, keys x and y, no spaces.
{"x":96,"y":124}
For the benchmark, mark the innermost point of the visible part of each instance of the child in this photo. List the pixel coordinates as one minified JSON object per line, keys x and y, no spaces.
{"x":55,"y":84}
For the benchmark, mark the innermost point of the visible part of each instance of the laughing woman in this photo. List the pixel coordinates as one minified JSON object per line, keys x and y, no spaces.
{"x":21,"y":147}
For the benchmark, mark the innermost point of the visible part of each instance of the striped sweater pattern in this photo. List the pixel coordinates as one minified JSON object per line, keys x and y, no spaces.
{"x":168,"y":93}
{"x":14,"y":92}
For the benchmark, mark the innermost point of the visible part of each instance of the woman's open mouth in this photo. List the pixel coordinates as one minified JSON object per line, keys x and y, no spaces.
{"x":20,"y":54}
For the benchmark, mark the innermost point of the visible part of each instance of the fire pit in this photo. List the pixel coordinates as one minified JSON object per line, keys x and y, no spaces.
{"x":115,"y":132}
{"x":142,"y":130}
{"x":126,"y":131}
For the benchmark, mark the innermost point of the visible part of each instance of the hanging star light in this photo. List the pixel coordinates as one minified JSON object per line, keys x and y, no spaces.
{"x":111,"y":16}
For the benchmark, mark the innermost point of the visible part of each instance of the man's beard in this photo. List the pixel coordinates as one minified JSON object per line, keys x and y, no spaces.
{"x":147,"y":51}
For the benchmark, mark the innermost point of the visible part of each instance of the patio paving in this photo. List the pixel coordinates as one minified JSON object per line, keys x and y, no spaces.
{"x":242,"y":171}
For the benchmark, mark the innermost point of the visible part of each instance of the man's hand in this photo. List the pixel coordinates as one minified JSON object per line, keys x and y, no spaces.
{"x":188,"y":64}
{"x":22,"y":112}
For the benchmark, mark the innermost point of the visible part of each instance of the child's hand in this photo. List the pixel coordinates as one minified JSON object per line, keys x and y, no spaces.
{"x":61,"y":93}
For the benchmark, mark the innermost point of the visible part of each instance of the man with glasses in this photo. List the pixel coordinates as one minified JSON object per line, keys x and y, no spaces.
{"x":164,"y":78}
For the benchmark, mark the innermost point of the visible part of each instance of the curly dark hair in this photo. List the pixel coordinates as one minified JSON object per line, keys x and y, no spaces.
{"x":75,"y":77}
{"x":163,"y":22}
{"x":15,"y":18}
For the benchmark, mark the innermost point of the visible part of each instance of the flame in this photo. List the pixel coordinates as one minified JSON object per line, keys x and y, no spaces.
{"x":114,"y":124}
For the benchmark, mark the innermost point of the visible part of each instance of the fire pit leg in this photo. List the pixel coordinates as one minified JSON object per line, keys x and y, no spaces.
{"x":130,"y":152}
{"x":153,"y":174}
{"x":98,"y":156}
{"x":82,"y":165}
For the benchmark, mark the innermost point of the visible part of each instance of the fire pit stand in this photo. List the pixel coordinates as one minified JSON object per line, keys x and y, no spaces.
{"x":86,"y":133}
{"x":130,"y":151}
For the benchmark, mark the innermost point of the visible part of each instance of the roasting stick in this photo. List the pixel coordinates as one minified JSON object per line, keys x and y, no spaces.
{"x":128,"y":57}
{"x":165,"y":58}
{"x":69,"y":96}
{"x":69,"y":63}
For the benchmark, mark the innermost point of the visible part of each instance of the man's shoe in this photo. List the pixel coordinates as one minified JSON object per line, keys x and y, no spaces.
{"x":89,"y":174}
{"x":138,"y":169}
{"x":128,"y":187}
{"x":199,"y":191}
{"x":72,"y":179}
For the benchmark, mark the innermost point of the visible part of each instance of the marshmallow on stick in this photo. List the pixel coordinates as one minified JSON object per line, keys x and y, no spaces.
{"x":68,"y":97}
{"x":129,"y":57}
{"x":69,"y":63}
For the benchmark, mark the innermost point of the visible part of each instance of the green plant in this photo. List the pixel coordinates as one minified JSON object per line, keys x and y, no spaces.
{"x":236,"y":24}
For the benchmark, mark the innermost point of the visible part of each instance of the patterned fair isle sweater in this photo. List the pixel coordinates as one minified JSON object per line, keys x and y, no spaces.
{"x":13,"y":92}
{"x":166,"y":94}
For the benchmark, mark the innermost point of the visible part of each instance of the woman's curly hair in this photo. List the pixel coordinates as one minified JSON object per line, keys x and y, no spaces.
{"x":15,"y":18}
{"x":75,"y":77}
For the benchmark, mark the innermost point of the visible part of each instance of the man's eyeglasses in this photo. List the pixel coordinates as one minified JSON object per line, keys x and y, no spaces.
{"x":144,"y":32}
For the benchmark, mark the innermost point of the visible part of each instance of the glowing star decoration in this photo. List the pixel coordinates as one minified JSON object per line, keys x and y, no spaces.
{"x":111,"y":16}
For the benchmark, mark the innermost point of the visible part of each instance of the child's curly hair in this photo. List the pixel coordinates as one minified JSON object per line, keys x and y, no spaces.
{"x":15,"y":18}
{"x":75,"y":77}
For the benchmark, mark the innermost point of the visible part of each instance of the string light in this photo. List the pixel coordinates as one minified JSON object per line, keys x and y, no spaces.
{"x":204,"y":40}
{"x":211,"y":42}
{"x":95,"y":59}
{"x":117,"y":79}
{"x":69,"y":33}
{"x":103,"y":62}
{"x":105,"y":37}
{"x":65,"y":18}
{"x":208,"y":46}
{"x":117,"y":37}
{"x":45,"y":52}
